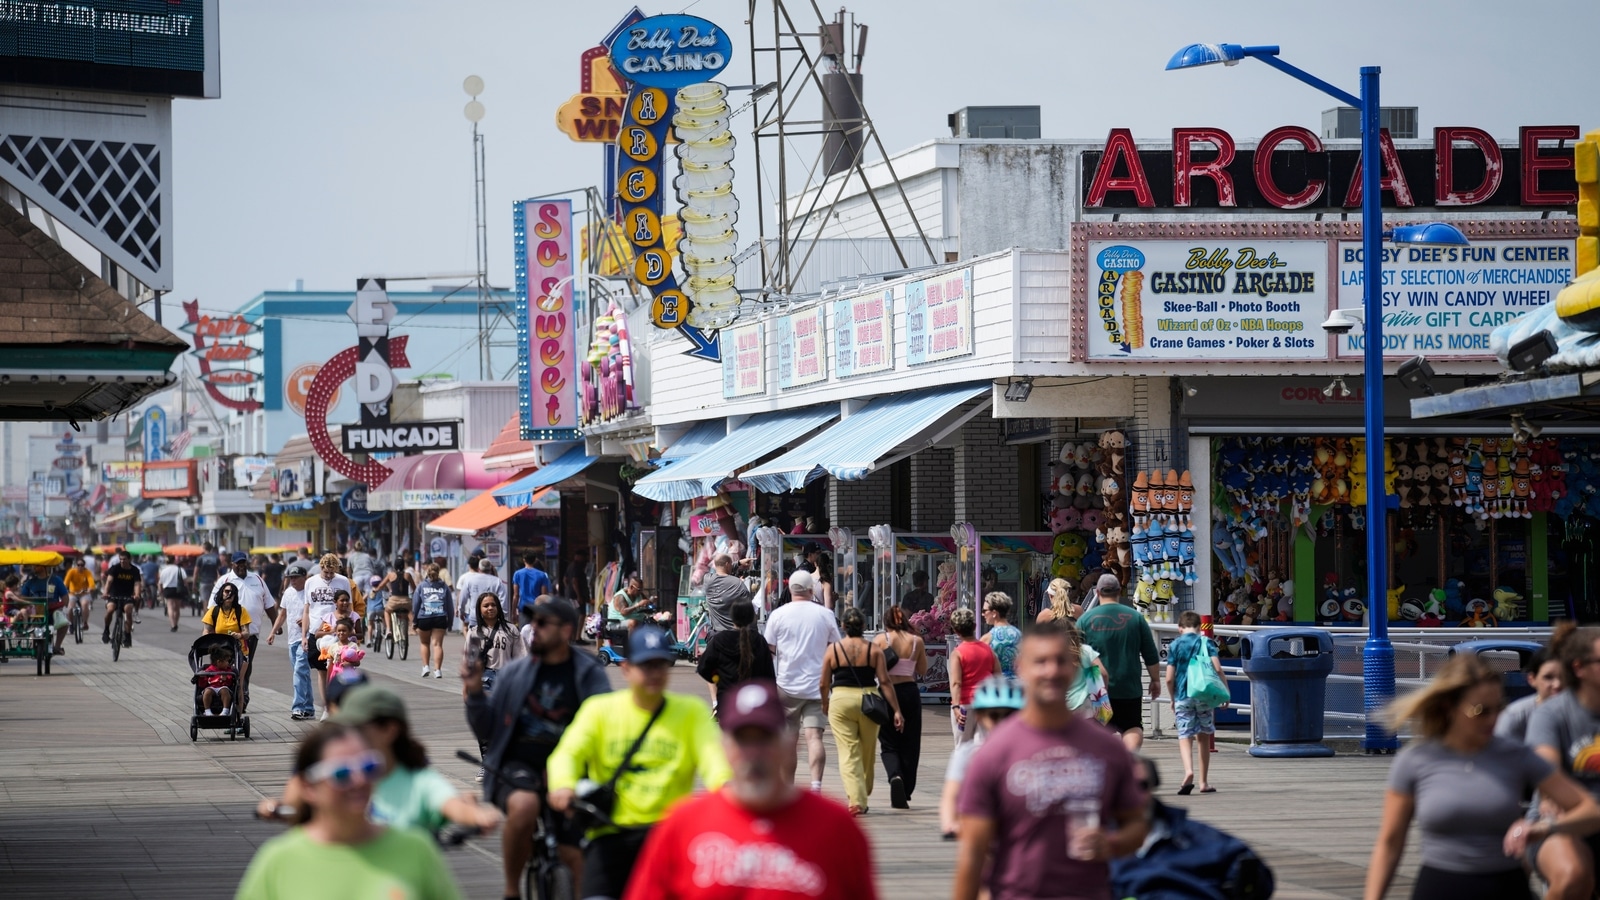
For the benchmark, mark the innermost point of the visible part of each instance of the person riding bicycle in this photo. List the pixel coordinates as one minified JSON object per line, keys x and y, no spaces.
{"x":535,"y":698}
{"x":397,"y":605}
{"x":123,"y":586}
{"x":80,"y":591}
{"x":647,"y":745}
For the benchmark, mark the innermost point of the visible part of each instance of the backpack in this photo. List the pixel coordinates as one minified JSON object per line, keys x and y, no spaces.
{"x":1191,"y":861}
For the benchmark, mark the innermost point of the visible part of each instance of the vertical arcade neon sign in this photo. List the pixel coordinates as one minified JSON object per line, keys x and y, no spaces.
{"x":547,"y":359}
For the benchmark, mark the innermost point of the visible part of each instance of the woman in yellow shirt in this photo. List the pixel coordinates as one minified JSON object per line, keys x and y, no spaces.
{"x":228,"y":617}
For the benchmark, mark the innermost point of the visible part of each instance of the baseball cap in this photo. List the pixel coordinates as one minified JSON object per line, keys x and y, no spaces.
{"x":241,"y":556}
{"x":648,"y":644}
{"x":754,"y":704}
{"x":803,"y":582}
{"x":296,"y":570}
{"x":341,"y":684}
{"x":364,"y":703}
{"x":556,"y":608}
{"x":1108,"y":584}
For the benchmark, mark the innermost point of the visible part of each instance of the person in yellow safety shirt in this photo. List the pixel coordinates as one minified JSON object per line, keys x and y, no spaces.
{"x":80,"y":591}
{"x":680,"y":740}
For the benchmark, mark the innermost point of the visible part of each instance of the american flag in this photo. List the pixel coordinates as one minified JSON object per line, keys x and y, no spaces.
{"x":178,"y":444}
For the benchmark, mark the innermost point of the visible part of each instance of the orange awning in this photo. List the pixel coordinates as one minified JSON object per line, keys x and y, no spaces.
{"x":481,"y":512}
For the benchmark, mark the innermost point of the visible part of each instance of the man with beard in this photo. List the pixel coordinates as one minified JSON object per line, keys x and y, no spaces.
{"x":758,"y":836}
{"x":535,"y":698}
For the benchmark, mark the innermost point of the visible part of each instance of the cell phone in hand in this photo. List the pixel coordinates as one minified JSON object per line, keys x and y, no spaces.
{"x":472,"y":652}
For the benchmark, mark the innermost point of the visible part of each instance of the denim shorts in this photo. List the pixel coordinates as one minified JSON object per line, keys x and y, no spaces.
{"x":1194,"y":718}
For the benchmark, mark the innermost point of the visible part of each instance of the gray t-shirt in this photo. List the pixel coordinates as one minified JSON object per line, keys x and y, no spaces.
{"x":1513,"y":723}
{"x":1465,"y":803}
{"x":722,"y":592}
{"x":1563,"y":723}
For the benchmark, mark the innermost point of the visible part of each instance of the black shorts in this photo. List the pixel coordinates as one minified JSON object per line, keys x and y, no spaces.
{"x":1127,"y":714}
{"x":172,"y":593}
{"x":432,"y":622}
{"x":567,"y":833}
{"x":1438,"y":884}
{"x":120,"y":601}
{"x":609,"y":861}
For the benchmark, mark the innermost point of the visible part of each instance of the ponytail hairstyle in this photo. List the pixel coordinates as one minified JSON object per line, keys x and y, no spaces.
{"x":433,"y":572}
{"x":743,"y":613}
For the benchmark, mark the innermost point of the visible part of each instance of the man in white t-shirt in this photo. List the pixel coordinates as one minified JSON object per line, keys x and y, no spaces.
{"x":321,"y":587}
{"x":799,"y":633}
{"x":291,"y":614}
{"x":253,"y":596}
{"x":472,"y":585}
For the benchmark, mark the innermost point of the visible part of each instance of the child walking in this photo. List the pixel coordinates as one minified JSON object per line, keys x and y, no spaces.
{"x":1195,"y":717}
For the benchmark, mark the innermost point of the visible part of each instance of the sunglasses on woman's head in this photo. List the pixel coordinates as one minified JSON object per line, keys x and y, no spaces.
{"x":1485,"y":709}
{"x":343,"y":773}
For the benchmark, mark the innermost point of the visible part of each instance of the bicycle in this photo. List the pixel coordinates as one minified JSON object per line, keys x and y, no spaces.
{"x":119,"y":632}
{"x":546,"y":877}
{"x":400,"y":623}
{"x":699,"y":632}
{"x":377,"y":631}
{"x":75,"y":622}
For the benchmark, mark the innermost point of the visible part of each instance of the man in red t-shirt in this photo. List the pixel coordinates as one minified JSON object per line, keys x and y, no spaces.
{"x":758,"y":838}
{"x":1051,"y":797}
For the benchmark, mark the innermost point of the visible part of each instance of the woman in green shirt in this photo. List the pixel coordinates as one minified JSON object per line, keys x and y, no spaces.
{"x":338,"y":852}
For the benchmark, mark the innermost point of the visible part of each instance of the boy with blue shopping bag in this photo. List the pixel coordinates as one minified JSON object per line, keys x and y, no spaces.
{"x":1197,"y":687}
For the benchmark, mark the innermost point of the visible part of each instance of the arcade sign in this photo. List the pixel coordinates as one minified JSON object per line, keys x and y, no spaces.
{"x":671,"y":51}
{"x":402,"y":437}
{"x":1291,"y":169}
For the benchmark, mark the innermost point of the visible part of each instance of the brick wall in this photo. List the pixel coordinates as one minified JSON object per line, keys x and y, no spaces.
{"x":933,"y":477}
{"x":858,"y":505}
{"x":986,"y":492}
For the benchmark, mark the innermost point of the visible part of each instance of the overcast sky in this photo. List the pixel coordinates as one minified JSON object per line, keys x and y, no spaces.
{"x":339,"y":148}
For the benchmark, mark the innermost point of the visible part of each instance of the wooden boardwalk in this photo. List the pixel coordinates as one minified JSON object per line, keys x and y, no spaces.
{"x":102,"y":795}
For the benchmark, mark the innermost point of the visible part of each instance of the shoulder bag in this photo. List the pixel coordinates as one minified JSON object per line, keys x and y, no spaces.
{"x":1202,"y":682}
{"x":873,"y":705}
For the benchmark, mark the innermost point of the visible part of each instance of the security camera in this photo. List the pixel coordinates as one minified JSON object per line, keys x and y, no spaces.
{"x":1343,"y":321}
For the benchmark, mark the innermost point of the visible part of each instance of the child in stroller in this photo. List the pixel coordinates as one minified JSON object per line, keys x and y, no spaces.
{"x":217,"y":681}
{"x":219,"y":675}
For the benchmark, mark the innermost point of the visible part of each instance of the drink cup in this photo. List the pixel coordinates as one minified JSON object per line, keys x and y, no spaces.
{"x":1083,"y":827}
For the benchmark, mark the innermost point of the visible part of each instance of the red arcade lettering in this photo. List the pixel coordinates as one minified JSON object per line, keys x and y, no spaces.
{"x":1445,"y":192}
{"x":1393,"y":179}
{"x":1533,"y":162}
{"x":1263,"y":167}
{"x":1185,"y":169}
{"x":1120,"y":146}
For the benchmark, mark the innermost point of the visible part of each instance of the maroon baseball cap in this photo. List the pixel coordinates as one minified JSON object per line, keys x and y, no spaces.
{"x":753,"y":704}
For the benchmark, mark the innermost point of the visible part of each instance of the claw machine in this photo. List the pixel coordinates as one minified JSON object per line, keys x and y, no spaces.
{"x":918,"y":572}
{"x":780,"y":554}
{"x":852,"y":574}
{"x":715,"y":525}
{"x":1017,"y":563}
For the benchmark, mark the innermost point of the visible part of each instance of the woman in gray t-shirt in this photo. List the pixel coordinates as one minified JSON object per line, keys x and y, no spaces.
{"x":1464,"y":786}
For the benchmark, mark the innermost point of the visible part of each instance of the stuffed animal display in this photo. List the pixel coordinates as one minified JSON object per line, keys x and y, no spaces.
{"x":1162,"y":535}
{"x":1111,"y":481}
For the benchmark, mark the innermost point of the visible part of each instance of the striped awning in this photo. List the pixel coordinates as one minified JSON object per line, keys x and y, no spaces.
{"x":884,"y":431}
{"x":699,"y":475}
{"x":521,"y":492}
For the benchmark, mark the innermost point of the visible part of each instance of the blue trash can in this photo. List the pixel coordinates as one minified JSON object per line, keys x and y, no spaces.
{"x":1288,"y":670}
{"x":1516,"y":683}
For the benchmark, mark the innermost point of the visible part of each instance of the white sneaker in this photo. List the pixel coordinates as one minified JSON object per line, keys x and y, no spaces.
{"x":816,"y":787}
{"x":227,"y":711}
{"x":438,"y":673}
{"x":426,"y":671}
{"x":323,"y":716}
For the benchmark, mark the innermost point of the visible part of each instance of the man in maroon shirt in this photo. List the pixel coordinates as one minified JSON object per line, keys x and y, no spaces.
{"x":1037,"y":794}
{"x":758,"y":838}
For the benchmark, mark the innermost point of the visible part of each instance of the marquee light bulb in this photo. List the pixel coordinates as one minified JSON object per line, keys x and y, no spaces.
{"x":705,"y":188}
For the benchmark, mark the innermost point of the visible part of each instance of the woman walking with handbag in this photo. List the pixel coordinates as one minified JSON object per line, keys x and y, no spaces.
{"x":902,"y":750}
{"x":853,"y":675}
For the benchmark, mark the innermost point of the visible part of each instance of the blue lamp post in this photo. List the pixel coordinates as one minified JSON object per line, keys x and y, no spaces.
{"x":1377,"y":665}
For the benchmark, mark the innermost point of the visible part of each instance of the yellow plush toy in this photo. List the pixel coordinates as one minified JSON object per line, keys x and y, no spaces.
{"x":1394,"y":603}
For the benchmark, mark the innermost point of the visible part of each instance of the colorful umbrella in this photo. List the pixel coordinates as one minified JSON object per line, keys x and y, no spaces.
{"x":143,"y":548}
{"x":183,"y":550}
{"x":29,"y":558}
{"x":62,"y":549}
{"x":106,"y":549}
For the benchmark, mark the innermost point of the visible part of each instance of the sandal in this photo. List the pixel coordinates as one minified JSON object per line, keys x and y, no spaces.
{"x":1187,"y":788}
{"x":1208,"y":790}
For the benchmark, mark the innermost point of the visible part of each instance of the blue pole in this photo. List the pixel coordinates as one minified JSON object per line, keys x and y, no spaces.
{"x":1377,"y":662}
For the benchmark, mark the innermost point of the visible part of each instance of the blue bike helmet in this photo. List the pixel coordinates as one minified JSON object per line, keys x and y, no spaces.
{"x":998,"y":692}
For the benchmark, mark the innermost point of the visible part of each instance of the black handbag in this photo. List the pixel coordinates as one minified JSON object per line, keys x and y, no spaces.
{"x":873,"y":705}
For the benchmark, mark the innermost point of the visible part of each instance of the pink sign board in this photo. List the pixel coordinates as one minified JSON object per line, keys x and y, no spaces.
{"x":551,"y":350}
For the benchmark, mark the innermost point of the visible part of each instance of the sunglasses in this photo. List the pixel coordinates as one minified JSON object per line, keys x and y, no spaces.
{"x":344,"y":773}
{"x":548,"y":623}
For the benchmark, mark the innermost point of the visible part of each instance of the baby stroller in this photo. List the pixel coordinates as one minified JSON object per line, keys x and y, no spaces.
{"x":236,"y":723}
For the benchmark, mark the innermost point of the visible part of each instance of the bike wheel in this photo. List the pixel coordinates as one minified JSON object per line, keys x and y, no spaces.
{"x":554,"y":882}
{"x":388,"y":647}
{"x":116,"y":638}
{"x":405,"y":644}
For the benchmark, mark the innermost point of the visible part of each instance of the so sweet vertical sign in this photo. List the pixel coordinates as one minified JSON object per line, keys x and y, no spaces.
{"x":547,"y":349}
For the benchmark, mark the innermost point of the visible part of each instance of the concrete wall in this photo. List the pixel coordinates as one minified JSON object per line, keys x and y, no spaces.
{"x":1017,"y":194}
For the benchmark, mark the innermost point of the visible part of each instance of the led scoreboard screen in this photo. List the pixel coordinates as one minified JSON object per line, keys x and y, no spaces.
{"x":136,"y":46}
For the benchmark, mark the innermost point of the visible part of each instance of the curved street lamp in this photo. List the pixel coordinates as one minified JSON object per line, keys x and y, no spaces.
{"x":1377,"y":659}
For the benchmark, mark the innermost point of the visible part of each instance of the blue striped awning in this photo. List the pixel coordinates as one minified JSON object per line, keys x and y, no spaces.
{"x":699,"y":475}
{"x":851,"y":449}
{"x":521,"y":491}
{"x":702,"y":436}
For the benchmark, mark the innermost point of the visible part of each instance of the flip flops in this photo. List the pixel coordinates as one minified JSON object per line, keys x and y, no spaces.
{"x":1187,"y":788}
